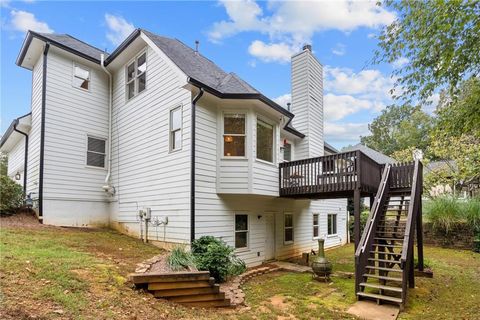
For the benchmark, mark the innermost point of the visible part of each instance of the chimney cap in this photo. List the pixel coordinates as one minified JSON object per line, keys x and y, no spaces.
{"x":307,"y":47}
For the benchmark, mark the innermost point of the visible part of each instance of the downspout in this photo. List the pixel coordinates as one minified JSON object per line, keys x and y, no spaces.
{"x":25,"y":159}
{"x":42,"y":130}
{"x":192,"y":166}
{"x":107,"y":187}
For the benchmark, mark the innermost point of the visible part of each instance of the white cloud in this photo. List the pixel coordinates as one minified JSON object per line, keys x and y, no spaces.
{"x":400,"y":62}
{"x":368,"y":83}
{"x":271,"y":52}
{"x":283,"y":100}
{"x":371,"y":35}
{"x":337,"y":107}
{"x":299,"y":19}
{"x":344,"y":132}
{"x":24,"y":21}
{"x":119,"y":28}
{"x":339,"y":49}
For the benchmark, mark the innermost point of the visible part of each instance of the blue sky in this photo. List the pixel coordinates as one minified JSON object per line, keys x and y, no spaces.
{"x":253,"y":39}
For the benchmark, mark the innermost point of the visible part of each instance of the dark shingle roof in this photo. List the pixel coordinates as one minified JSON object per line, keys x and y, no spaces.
{"x":74,"y":44}
{"x":196,"y":66}
{"x":374,"y":154}
{"x":328,"y":146}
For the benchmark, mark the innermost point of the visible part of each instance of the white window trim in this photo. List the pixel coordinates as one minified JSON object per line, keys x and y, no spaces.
{"x":170,"y":136}
{"x":126,"y":83}
{"x":104,"y":168}
{"x":247,"y":248}
{"x":76,"y":64}
{"x":292,"y":227}
{"x":282,"y":147}
{"x":336,"y":220}
{"x":316,"y":225}
{"x":222,"y":136}
{"x":274,"y":147}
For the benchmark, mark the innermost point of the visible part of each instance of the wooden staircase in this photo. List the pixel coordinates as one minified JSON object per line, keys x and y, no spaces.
{"x":384,"y":257}
{"x":193,"y":289}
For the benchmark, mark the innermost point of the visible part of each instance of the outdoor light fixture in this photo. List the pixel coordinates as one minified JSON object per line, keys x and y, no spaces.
{"x":18,"y":176}
{"x":228,"y":139}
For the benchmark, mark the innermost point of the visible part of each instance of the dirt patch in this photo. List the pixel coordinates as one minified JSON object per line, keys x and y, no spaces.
{"x":279,"y":302}
{"x":22,"y":219}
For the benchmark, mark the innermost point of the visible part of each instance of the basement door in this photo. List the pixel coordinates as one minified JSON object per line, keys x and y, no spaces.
{"x":269,"y":236}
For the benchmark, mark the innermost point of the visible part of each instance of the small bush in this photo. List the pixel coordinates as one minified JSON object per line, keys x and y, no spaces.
{"x":179,"y":259}
{"x":472,"y":213}
{"x":217,"y":257}
{"x":363,"y":222}
{"x":11,"y":196}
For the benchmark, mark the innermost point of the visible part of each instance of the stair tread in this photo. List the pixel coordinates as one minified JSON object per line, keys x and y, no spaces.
{"x":376,"y":276}
{"x":384,"y":260}
{"x":384,"y":269}
{"x":379,"y":296}
{"x":389,"y":238}
{"x":387,"y":253}
{"x":380,"y":286}
{"x":387,"y":245}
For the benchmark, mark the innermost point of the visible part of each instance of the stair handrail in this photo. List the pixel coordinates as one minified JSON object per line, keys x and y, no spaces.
{"x":412,"y":210}
{"x":367,"y":236}
{"x":372,"y":216}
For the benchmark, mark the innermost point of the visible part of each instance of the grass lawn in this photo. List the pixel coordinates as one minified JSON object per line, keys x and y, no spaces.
{"x":67,"y":273}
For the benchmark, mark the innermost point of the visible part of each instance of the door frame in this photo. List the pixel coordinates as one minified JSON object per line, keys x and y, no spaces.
{"x":273,"y":236}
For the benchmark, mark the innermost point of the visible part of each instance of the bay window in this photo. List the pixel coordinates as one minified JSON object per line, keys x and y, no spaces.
{"x":234,"y":135}
{"x":264,"y":141}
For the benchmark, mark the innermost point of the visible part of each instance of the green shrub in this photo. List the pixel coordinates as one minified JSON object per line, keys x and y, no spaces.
{"x":11,"y":196}
{"x":363,"y":222}
{"x":444,"y":213}
{"x":471,"y":211}
{"x":179,"y":259}
{"x":217,"y":257}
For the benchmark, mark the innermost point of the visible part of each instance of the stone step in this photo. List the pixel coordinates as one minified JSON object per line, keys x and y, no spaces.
{"x":181,"y":284}
{"x":185,"y":292}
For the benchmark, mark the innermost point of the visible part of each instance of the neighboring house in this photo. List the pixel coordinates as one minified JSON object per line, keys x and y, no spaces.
{"x":112,"y":134}
{"x":372,"y":153}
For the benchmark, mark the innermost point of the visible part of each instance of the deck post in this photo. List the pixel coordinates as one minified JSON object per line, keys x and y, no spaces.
{"x":420,"y":236}
{"x":356,"y":214}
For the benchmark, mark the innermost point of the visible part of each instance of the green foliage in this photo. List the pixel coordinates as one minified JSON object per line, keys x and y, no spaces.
{"x":180,"y":259}
{"x":3,"y":164}
{"x":363,"y":222}
{"x":216,"y":256}
{"x":399,"y":128}
{"x":11,"y":196}
{"x":440,"y":40}
{"x":447,"y":212}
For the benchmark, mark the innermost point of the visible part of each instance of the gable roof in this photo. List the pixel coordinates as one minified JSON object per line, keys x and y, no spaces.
{"x":374,"y":154}
{"x":201,"y":72}
{"x":327,"y":146}
{"x":63,"y":41}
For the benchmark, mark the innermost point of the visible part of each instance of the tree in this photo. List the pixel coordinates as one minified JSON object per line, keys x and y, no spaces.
{"x":399,"y":127}
{"x":3,"y":164}
{"x":439,"y":39}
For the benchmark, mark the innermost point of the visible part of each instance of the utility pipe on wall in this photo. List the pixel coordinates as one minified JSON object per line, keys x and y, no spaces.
{"x":107,"y":186}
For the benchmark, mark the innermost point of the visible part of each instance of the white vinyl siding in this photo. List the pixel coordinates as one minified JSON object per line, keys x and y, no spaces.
{"x":16,"y":159}
{"x":146,"y":172}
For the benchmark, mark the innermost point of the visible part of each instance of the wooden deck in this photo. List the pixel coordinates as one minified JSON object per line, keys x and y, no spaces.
{"x":333,"y":176}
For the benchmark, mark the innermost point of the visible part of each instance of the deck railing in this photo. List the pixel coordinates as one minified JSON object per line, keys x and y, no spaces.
{"x":328,"y":174}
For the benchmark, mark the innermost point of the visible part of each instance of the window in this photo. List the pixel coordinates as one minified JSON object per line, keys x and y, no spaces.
{"x":241,"y":231}
{"x":96,"y":152}
{"x":316,"y":225}
{"x":264,"y":141}
{"x":176,"y":129}
{"x":288,"y":228}
{"x":136,"y":76}
{"x":332,"y":224}
{"x":234,"y":135}
{"x":287,"y":151}
{"x":81,"y":77}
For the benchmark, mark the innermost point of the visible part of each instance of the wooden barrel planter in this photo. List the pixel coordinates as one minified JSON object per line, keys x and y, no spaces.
{"x":192,"y":288}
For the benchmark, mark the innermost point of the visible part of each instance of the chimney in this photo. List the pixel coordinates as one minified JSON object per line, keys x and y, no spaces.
{"x":307,"y":102}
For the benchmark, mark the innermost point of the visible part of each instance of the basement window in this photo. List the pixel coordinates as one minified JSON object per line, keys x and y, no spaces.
{"x":241,"y":231}
{"x":234,"y":135}
{"x":81,"y":77}
{"x":316,"y":225}
{"x":136,"y":76}
{"x":288,"y":228}
{"x":96,"y":152}
{"x":332,"y":224}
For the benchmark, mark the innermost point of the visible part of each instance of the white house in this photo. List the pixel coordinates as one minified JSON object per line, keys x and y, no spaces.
{"x":110,"y":135}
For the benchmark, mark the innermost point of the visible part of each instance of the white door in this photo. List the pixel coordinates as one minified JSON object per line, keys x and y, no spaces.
{"x":269,"y":236}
